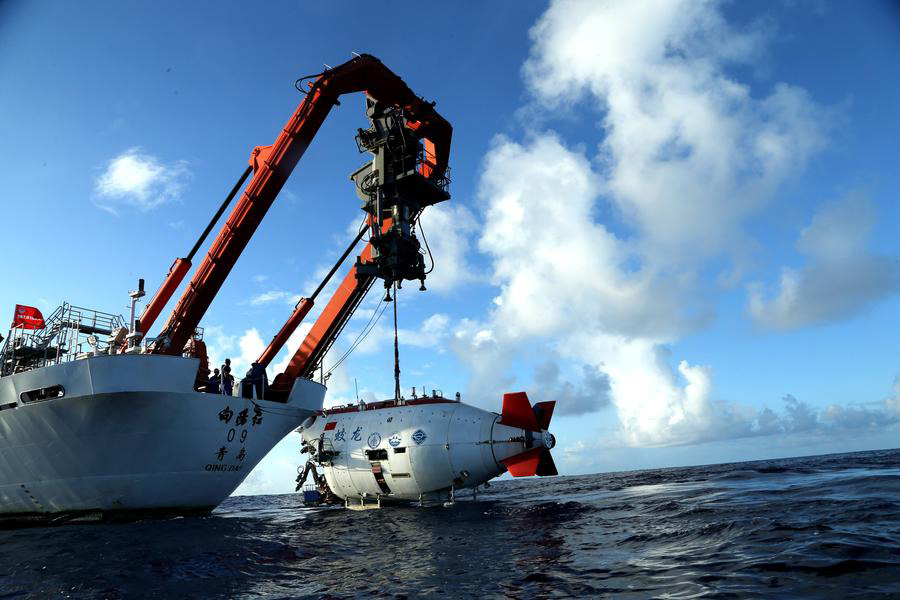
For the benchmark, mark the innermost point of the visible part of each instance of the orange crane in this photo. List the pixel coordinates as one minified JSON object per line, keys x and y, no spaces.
{"x":410,"y":144}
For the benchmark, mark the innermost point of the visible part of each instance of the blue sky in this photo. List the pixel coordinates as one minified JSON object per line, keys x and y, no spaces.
{"x":678,"y":220}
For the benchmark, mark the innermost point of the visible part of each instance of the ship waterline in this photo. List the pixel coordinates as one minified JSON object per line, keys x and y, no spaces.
{"x":120,"y":434}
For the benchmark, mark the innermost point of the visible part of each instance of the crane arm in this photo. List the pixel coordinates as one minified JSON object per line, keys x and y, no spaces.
{"x":325,"y":330}
{"x":330,"y":322}
{"x":396,"y":185}
{"x":303,"y":306}
{"x":181,"y":265}
{"x":273,"y":164}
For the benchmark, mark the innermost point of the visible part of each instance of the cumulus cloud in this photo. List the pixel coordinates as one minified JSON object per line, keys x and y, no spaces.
{"x":272,"y":296}
{"x":589,"y":396}
{"x":795,"y":417}
{"x":597,"y":256}
{"x":487,"y":358}
{"x":841,"y":277}
{"x":801,"y":417}
{"x":892,"y":402}
{"x":241,"y":349}
{"x":430,"y":334}
{"x":656,"y":404}
{"x":560,"y":271}
{"x":448,"y":229}
{"x":139,"y":180}
{"x":251,"y":345}
{"x":374,"y":334}
{"x":688,"y":151}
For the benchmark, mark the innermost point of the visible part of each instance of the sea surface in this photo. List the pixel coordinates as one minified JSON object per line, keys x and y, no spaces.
{"x":817,"y":527}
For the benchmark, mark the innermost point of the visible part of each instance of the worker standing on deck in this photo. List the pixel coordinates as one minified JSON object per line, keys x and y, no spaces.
{"x":214,"y":385}
{"x":227,"y":378}
{"x":257,"y":378}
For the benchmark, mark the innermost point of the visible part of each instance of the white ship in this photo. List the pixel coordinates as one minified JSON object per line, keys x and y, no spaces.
{"x":98,"y":418}
{"x":89,"y":434}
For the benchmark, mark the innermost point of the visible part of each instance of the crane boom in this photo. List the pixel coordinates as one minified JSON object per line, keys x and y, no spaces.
{"x":303,"y":306}
{"x":331,"y":321}
{"x":272,"y":165}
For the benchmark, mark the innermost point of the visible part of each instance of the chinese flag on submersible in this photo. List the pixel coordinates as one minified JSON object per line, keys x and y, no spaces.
{"x":28,"y":317}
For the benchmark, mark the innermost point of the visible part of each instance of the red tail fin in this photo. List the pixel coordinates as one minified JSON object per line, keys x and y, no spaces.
{"x":536,"y":461}
{"x":524,"y":464}
{"x":517,"y":412}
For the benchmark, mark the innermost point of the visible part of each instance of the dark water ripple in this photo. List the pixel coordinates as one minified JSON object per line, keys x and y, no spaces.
{"x":820,"y":527}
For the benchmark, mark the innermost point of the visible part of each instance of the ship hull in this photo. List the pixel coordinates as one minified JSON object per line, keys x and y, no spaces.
{"x":131,"y":437}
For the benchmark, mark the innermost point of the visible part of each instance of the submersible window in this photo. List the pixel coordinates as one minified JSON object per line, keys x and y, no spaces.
{"x":380,"y":454}
{"x":39,"y":395}
{"x":399,"y":450}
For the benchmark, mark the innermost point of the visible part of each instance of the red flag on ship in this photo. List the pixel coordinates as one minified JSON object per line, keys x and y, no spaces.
{"x":28,"y":317}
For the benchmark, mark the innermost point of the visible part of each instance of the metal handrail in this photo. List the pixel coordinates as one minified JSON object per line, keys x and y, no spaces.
{"x":70,"y":326}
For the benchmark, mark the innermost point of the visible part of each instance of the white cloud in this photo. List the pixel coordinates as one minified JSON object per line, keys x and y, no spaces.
{"x":892,"y":402}
{"x":251,"y":345}
{"x":598,"y":258}
{"x":432,"y":332}
{"x":242,"y":350}
{"x":139,"y":180}
{"x":688,"y":151}
{"x":487,"y":358}
{"x":270,"y":297}
{"x":219,"y":344}
{"x":840,"y":277}
{"x":656,"y":405}
{"x":569,"y":283}
{"x":558,"y":269}
{"x":448,"y":228}
{"x":276,"y":472}
{"x":591,"y":395}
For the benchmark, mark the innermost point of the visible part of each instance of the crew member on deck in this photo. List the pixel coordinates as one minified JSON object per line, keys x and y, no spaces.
{"x":227,"y":378}
{"x":257,"y":378}
{"x":213,"y":386}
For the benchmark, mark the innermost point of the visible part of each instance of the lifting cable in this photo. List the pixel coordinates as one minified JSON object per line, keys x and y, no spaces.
{"x":396,"y":349}
{"x":373,"y":320}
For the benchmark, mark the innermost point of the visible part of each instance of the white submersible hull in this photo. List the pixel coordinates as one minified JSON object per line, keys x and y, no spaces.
{"x":127,"y":434}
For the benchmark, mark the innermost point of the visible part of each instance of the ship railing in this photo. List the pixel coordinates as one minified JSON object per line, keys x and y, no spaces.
{"x":69,"y":333}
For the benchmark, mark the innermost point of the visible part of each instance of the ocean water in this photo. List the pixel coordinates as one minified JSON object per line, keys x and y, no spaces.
{"x":818,"y":527}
